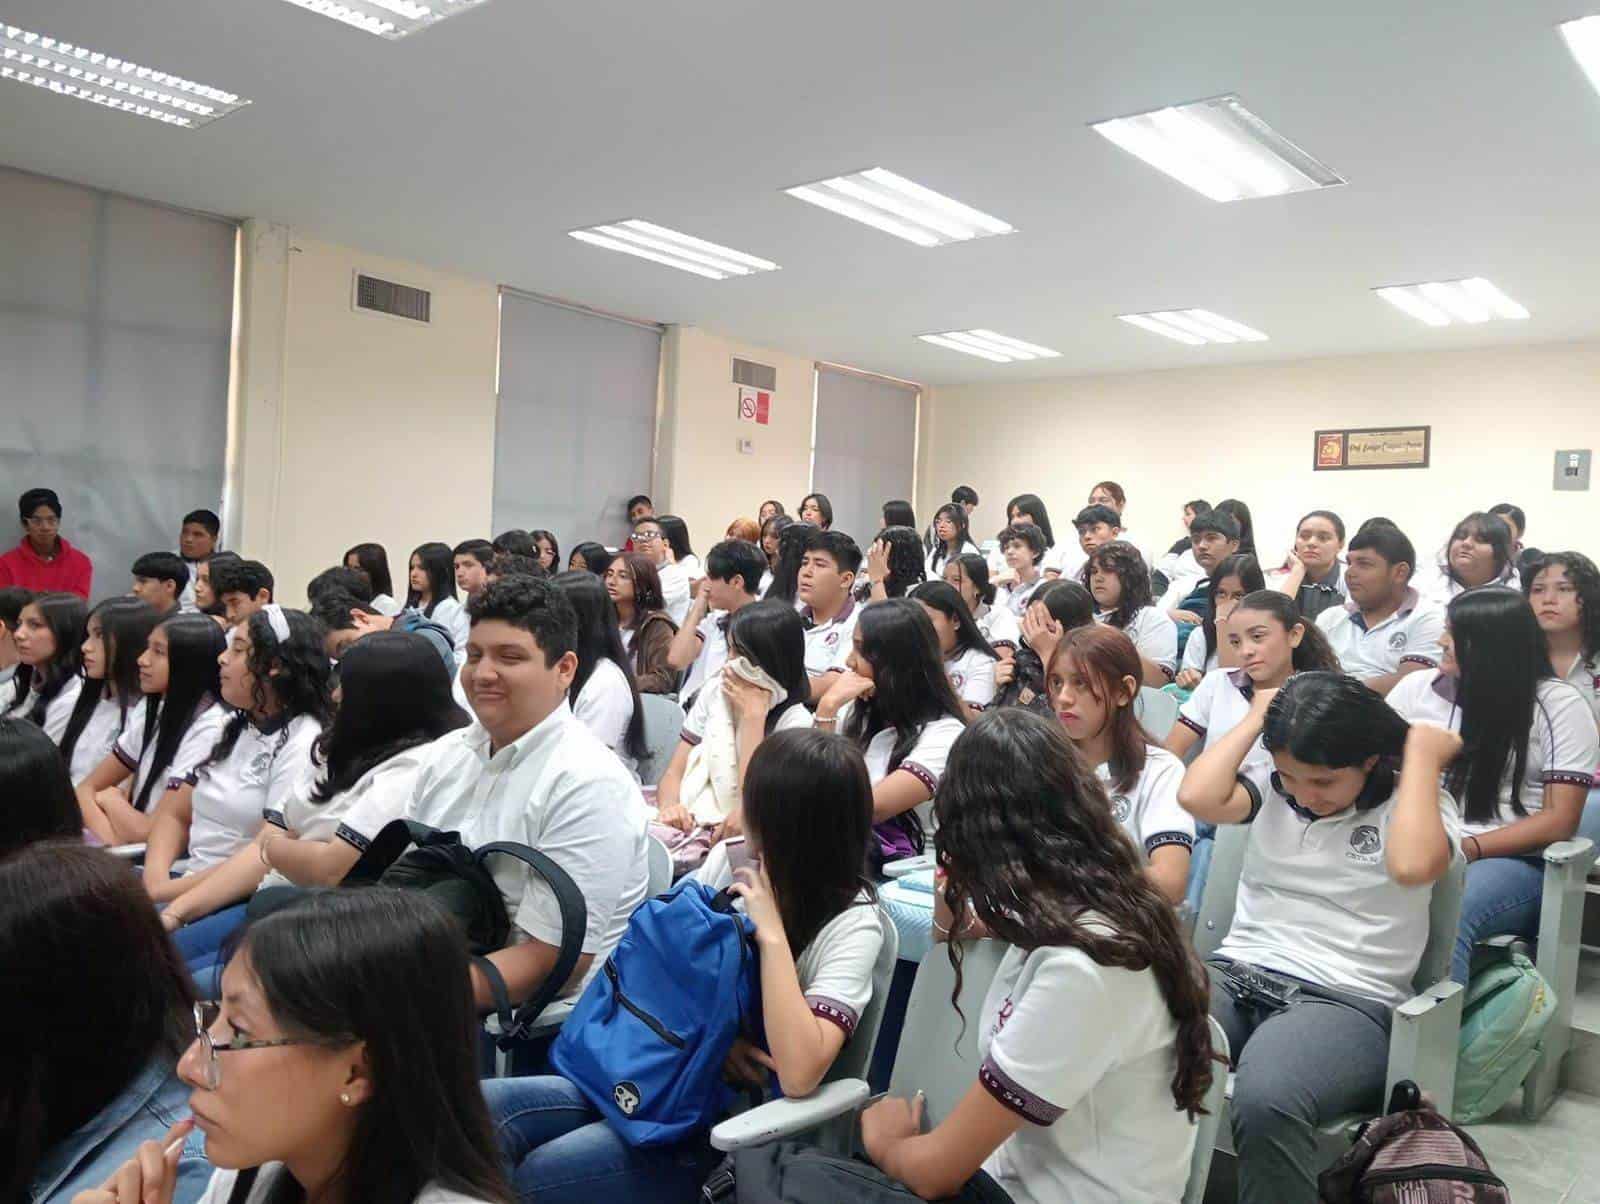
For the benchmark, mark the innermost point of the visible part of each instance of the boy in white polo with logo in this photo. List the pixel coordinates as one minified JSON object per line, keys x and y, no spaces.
{"x":827,"y":577}
{"x":1386,"y":630}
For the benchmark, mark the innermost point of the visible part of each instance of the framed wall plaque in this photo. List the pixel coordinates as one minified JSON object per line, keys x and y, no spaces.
{"x":1372,"y":447}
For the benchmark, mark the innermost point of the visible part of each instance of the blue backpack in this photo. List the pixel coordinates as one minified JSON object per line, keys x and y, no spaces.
{"x":646,"y":1042}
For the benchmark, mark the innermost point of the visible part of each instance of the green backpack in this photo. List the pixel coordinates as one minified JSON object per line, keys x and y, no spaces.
{"x":1507,"y":1007}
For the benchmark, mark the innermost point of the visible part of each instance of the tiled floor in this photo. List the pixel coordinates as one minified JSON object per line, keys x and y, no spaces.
{"x":1556,"y":1161}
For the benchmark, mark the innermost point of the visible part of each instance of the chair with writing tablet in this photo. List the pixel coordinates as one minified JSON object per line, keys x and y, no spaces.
{"x":663,"y":723}
{"x":1156,"y":711}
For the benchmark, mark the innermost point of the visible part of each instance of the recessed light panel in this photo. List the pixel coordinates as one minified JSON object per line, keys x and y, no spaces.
{"x":1194,"y":327}
{"x":387,"y":18}
{"x":898,"y":206}
{"x":1442,"y":302}
{"x":104,"y":79}
{"x":988,"y":345}
{"x":682,"y":251}
{"x":1583,"y":39}
{"x":1220,"y":149}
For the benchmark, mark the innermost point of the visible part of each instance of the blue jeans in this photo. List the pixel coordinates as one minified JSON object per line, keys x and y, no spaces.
{"x":1504,"y":896}
{"x":559,"y":1150}
{"x":200,"y":945}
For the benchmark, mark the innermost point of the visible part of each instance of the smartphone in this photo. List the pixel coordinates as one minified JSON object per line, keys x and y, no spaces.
{"x":739,"y":855}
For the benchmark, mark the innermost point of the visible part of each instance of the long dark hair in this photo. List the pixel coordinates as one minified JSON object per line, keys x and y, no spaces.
{"x":332,"y":966}
{"x":824,"y":506}
{"x":555,"y":547}
{"x":1585,"y":577}
{"x":1029,"y":504}
{"x":600,"y":638}
{"x":440,"y":565}
{"x":907,"y":564}
{"x":395,"y":695}
{"x":792,"y":543}
{"x":899,"y":513}
{"x":647,"y":595}
{"x":594,"y":556}
{"x":1332,"y":719}
{"x":67,"y":617}
{"x":677,"y":534}
{"x":910,"y":686}
{"x":1241,"y":514}
{"x":37,"y":787}
{"x":1502,"y":656}
{"x":374,"y":562}
{"x":12,"y":599}
{"x":194,"y":642}
{"x":1247,"y":569}
{"x":75,"y":916}
{"x":1027,"y":838}
{"x":1123,"y":559}
{"x":302,"y":684}
{"x":1313,"y":651}
{"x":774,"y":526}
{"x":1104,"y":656}
{"x":958,"y":519}
{"x":976,"y":570}
{"x":1489,"y":528}
{"x":946,"y":599}
{"x":808,"y":805}
{"x":772,"y":634}
{"x":125,"y":625}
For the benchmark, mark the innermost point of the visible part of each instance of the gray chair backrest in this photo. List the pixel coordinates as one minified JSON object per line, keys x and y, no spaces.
{"x":1157,"y":711}
{"x":1444,"y":918}
{"x":1209,"y":1122}
{"x":856,"y":1055}
{"x":941,"y":1046}
{"x":663,"y":721}
{"x":660,"y":862}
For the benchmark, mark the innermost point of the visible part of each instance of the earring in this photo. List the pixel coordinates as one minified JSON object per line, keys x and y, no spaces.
{"x":344,"y":1097}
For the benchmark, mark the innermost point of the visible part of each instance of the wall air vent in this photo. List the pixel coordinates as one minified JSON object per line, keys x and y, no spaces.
{"x":395,"y":300}
{"x":757,"y":376}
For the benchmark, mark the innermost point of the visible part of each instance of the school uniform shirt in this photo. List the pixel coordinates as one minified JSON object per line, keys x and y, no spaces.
{"x":939,"y":556}
{"x":231,"y":796}
{"x":971,"y":675}
{"x":925,"y":761}
{"x":999,"y":626}
{"x":828,"y":644}
{"x":1218,"y":705}
{"x":385,"y":605}
{"x":199,"y":738}
{"x":453,"y":617}
{"x":691,"y":566}
{"x":713,"y":633}
{"x":1411,"y":635}
{"x":1563,"y":744}
{"x":1066,"y":559}
{"x":57,"y":712}
{"x":605,"y":706}
{"x":1149,"y":813}
{"x":356,"y":815}
{"x":99,"y":736}
{"x":1316,"y":597}
{"x":1154,"y":634}
{"x":558,"y":790}
{"x":220,"y":1189}
{"x":1195,"y":655}
{"x":694,"y":723}
{"x":1015,"y":597}
{"x":675,"y":597}
{"x":766,"y":584}
{"x":1441,"y":589}
{"x":1095,"y":1093}
{"x":1316,"y":900}
{"x":1584,"y":675}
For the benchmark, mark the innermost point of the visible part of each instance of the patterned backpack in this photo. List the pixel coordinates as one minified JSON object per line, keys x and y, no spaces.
{"x":1412,"y":1156}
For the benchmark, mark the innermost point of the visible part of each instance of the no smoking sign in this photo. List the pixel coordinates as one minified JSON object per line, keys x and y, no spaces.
{"x":755,"y":405}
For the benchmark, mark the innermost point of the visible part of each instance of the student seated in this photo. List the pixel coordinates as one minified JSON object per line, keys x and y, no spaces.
{"x":1564,"y":590}
{"x":816,"y":509}
{"x":38,"y":793}
{"x":43,"y":561}
{"x":1213,"y":537}
{"x":243,"y":587}
{"x":951,"y":538}
{"x":385,"y":1100}
{"x":111,"y":699}
{"x":771,"y":532}
{"x":676,"y":533}
{"x":346,"y":619}
{"x":1093,"y":684}
{"x":605,"y":698}
{"x":472,"y":559}
{"x":1206,"y":650}
{"x":969,"y":662}
{"x":1055,"y":559}
{"x":183,"y":719}
{"x":1179,"y":558}
{"x":160,"y":579}
{"x":894,"y":565}
{"x":1096,"y":525}
{"x":205,"y":598}
{"x":12,"y":600}
{"x":340,"y":579}
{"x":1059,"y":607}
{"x":895,"y":703}
{"x":650,"y":540}
{"x":1312,"y":575}
{"x":516,"y":543}
{"x":640,"y":507}
{"x":1531,"y":752}
{"x":433,"y":591}
{"x":647,"y":630}
{"x":824,"y":587}
{"x":969,"y":573}
{"x":1387,"y":629}
{"x":1094,"y":1043}
{"x":89,"y":1072}
{"x":594,"y":558}
{"x":528,"y":771}
{"x":770,"y":509}
{"x":793,"y":540}
{"x":1112,"y":496}
{"x":1119,"y":580}
{"x":732,"y":581}
{"x":373,"y":560}
{"x":1023,"y":549}
{"x":509,"y":564}
{"x":1332,"y":906}
{"x":746,"y":530}
{"x":197,"y":543}
{"x":49,"y":639}
{"x":1479,"y":552}
{"x":547,"y":551}
{"x":807,"y":822}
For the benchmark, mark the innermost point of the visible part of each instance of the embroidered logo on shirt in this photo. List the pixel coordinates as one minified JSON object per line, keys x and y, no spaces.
{"x":1120,"y":808}
{"x":1365,"y":842}
{"x":831,"y":639}
{"x":260,"y":765}
{"x":958,"y":679}
{"x":1397,"y":641}
{"x":626,"y":1095}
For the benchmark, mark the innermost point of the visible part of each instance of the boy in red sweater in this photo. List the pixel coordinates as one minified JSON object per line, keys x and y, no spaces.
{"x":43,"y":561}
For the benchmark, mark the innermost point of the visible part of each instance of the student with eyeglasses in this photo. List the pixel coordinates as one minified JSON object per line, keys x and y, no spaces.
{"x":43,"y":560}
{"x":650,"y":540}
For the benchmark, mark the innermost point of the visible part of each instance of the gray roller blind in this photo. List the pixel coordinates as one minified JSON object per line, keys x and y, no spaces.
{"x":866,"y":447}
{"x":576,"y":421}
{"x":116,"y":322}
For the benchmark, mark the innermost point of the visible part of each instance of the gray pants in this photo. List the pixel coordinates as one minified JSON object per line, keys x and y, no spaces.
{"x":1296,"y":1070}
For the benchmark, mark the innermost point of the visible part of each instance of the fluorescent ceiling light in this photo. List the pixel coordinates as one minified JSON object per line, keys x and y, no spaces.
{"x":1441,"y":302}
{"x":661,"y":245}
{"x":102,"y":79}
{"x":989,"y":345}
{"x":1583,"y":39}
{"x":1220,"y":149}
{"x":388,"y":18}
{"x":1194,"y":327}
{"x":901,"y":207}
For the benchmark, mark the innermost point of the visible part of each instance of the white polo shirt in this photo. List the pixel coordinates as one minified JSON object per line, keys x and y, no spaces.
{"x":1015,"y":598}
{"x":939,"y":556}
{"x":1149,"y":813}
{"x":1218,"y":705}
{"x":558,"y":790}
{"x":231,"y":796}
{"x":1194,"y":652}
{"x":1316,"y":900}
{"x":713,"y":651}
{"x":999,"y":626}
{"x":453,"y":617}
{"x":1154,"y":634}
{"x":605,"y":706}
{"x":199,"y":738}
{"x":1066,"y":559}
{"x":1563,"y":744}
{"x":971,"y":674}
{"x":57,"y":712}
{"x":828,"y":644}
{"x":99,"y":735}
{"x":1409,"y":636}
{"x":1584,"y":675}
{"x":925,"y":761}
{"x":1096,"y":1093}
{"x":675,"y":597}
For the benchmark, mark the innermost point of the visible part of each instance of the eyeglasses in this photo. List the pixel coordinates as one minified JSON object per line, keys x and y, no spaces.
{"x":646,"y":536}
{"x":205,"y":1018}
{"x":44,"y":521}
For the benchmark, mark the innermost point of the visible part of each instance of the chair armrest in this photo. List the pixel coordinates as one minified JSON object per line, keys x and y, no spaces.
{"x":1424,"y":1040}
{"x":128,"y":852}
{"x":908,"y":865}
{"x":782,"y":1118}
{"x":548,"y":1021}
{"x":1565,"y":852}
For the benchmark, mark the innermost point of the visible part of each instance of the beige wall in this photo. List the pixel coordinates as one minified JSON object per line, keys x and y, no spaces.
{"x":356,"y":426}
{"x":1497,"y":418}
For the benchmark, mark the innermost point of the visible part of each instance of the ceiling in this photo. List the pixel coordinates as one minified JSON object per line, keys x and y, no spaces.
{"x":1469,"y":136}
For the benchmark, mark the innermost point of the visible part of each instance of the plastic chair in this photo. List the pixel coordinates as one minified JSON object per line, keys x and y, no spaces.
{"x":844,"y":1084}
{"x":660,"y":860}
{"x":663,"y":721}
{"x":1157,"y":711}
{"x":1209,"y":1121}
